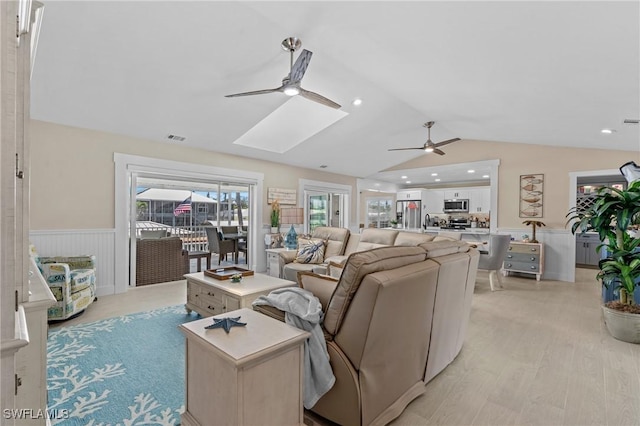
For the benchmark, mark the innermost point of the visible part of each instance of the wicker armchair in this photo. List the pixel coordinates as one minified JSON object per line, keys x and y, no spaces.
{"x":160,"y":260}
{"x":72,"y":280}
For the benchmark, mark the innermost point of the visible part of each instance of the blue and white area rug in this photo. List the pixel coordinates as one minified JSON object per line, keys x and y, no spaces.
{"x":126,"y":370}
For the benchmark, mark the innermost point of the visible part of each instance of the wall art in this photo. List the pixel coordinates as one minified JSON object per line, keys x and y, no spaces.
{"x":531,"y":195}
{"x":284,"y":196}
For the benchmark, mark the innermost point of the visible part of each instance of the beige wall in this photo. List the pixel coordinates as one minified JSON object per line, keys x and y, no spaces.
{"x":518,"y":159}
{"x":72,"y":181}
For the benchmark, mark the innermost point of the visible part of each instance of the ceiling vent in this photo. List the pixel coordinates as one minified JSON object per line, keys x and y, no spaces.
{"x":176,"y":138}
{"x":631,"y":121}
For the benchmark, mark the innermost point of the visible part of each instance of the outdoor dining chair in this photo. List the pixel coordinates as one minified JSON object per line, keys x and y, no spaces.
{"x":218,"y":245}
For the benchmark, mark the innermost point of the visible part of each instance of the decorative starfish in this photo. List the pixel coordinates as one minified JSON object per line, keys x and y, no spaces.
{"x":226,"y":323}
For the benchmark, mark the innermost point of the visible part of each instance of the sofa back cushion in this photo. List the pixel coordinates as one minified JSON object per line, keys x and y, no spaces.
{"x":371,"y":238}
{"x":336,"y":239}
{"x":437,"y":248}
{"x":357,"y":267}
{"x":410,"y":239}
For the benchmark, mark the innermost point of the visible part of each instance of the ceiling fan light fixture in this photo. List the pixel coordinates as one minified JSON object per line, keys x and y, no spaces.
{"x":291,"y":91}
{"x":428,"y":149}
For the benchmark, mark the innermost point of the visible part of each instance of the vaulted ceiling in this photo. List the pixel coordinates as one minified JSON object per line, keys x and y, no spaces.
{"x":548,"y":73}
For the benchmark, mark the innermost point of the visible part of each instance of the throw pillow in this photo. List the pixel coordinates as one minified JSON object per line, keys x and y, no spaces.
{"x":310,"y":251}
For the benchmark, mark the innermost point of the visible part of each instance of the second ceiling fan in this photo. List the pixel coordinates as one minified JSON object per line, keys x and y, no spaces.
{"x":429,"y":146}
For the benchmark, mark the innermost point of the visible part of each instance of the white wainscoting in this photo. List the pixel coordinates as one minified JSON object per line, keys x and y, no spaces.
{"x":559,"y":251}
{"x":72,"y":242}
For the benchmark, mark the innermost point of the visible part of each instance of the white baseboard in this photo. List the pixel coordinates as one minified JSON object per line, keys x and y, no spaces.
{"x":71,"y":242}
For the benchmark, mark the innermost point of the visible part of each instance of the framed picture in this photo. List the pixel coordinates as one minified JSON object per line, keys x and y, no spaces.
{"x":531,"y":195}
{"x":284,"y":196}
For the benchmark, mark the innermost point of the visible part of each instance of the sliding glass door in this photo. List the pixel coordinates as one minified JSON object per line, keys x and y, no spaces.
{"x":183,"y":208}
{"x":325,"y":209}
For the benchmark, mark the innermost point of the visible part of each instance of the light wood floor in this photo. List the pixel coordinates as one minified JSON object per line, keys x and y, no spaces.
{"x":535,"y":354}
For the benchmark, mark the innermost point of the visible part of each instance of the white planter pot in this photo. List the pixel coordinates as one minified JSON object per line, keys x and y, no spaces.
{"x":274,"y":229}
{"x":622,"y":325}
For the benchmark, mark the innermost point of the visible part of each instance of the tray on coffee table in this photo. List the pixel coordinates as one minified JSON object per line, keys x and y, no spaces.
{"x":225,"y":272}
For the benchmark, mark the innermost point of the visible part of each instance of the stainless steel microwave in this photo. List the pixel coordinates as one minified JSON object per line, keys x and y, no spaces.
{"x":456,"y":206}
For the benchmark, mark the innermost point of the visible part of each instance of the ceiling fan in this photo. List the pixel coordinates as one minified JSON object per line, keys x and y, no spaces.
{"x":429,"y":146}
{"x":291,"y":82}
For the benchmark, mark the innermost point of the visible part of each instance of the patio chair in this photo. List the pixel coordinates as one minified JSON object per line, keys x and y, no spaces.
{"x":228,"y":230}
{"x":218,"y":245}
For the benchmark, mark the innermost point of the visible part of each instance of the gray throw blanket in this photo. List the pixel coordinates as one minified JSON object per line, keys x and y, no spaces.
{"x":303,"y":310}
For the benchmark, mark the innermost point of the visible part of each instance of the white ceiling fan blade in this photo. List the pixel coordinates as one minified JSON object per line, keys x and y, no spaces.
{"x":299,"y":68}
{"x":312,"y":96}
{"x":256,"y":92}
{"x":446,"y":142}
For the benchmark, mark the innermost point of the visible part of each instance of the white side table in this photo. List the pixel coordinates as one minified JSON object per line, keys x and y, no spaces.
{"x":273,"y":261}
{"x":250,"y":376}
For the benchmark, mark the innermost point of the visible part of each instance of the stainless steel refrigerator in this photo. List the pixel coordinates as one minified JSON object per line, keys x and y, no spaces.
{"x":409,"y":214}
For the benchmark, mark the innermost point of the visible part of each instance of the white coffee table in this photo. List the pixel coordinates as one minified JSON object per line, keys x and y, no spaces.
{"x":209,"y":296}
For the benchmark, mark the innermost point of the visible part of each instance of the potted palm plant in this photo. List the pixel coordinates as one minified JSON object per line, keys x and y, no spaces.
{"x":613,"y":215}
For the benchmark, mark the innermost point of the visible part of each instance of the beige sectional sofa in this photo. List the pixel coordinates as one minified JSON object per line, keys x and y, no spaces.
{"x":394,"y":319}
{"x":341,"y":243}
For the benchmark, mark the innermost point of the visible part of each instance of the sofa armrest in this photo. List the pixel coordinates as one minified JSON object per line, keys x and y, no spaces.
{"x":322,"y":286}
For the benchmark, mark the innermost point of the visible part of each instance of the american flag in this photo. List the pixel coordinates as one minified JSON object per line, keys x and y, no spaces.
{"x":183,"y":207}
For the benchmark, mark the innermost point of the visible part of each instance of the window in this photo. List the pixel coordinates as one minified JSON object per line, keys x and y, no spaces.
{"x":379,"y":212}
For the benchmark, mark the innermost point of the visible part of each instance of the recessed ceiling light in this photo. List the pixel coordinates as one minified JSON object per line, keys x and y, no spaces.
{"x":471,"y":171}
{"x":408,"y":181}
{"x":357,"y":102}
{"x":434,"y":174}
{"x":485,"y":176}
{"x":437,"y":180}
{"x":607,"y":131}
{"x":403,"y":177}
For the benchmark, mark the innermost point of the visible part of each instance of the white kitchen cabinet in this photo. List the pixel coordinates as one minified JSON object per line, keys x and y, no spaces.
{"x":586,"y":245}
{"x":409,"y":194}
{"x":433,"y":201}
{"x":455,"y":193}
{"x":479,"y":200}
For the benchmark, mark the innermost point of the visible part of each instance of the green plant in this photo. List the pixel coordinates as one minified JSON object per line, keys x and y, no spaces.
{"x":613,"y":212}
{"x":275,"y":214}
